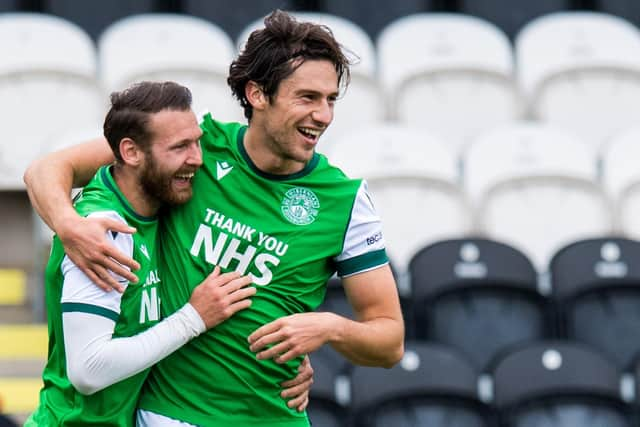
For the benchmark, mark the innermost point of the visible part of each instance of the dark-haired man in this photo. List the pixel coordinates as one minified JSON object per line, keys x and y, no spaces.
{"x":266,"y":204}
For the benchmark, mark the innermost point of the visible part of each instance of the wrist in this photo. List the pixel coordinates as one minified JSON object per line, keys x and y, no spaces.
{"x":65,"y":221}
{"x":336,"y":326}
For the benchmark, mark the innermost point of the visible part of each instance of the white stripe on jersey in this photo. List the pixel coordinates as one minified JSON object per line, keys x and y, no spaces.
{"x":151,"y":419}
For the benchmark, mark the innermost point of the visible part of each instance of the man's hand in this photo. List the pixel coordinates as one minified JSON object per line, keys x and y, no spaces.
{"x":292,"y":336}
{"x":85,"y":243}
{"x":298,"y":388}
{"x":220,"y":296}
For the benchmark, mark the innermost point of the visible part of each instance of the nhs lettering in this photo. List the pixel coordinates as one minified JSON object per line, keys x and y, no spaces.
{"x":223,"y":239}
{"x":149,"y":300}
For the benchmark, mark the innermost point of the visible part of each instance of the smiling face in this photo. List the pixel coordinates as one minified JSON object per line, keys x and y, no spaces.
{"x":291,"y":123}
{"x":173,"y":156}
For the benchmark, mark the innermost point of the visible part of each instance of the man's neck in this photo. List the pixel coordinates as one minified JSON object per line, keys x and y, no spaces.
{"x":264,"y":158}
{"x":129,"y":185}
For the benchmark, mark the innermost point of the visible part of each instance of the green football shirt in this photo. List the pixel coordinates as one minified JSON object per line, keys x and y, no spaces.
{"x":133,"y":311}
{"x":291,"y":233}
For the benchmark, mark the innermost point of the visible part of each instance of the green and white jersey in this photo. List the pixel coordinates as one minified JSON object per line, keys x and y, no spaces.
{"x":291,"y":233}
{"x":69,"y":290}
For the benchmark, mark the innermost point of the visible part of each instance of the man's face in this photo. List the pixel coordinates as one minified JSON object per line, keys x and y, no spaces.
{"x":300,"y":111}
{"x":173,"y":157}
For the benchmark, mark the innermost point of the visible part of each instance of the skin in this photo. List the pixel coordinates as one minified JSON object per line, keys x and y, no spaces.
{"x":276,"y":143}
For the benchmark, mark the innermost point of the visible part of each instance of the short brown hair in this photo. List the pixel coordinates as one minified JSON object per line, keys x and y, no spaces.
{"x":130,"y":109}
{"x":274,"y":52}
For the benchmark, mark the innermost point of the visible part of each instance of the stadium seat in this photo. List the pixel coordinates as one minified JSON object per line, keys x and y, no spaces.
{"x":186,"y":49}
{"x":47,"y":84}
{"x":329,"y":395}
{"x":94,"y":17}
{"x":432,"y":386}
{"x":362,"y":104}
{"x":628,"y":9}
{"x":596,"y":288}
{"x":535,"y":187}
{"x":478,"y":296}
{"x":378,"y":13}
{"x":621,"y":179}
{"x":449,"y":73}
{"x":581,"y":71}
{"x":413,"y":180}
{"x":233,"y":19}
{"x":8,"y":5}
{"x":559,"y":384}
{"x":512,"y":18}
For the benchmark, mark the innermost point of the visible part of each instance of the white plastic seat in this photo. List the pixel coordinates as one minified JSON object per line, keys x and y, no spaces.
{"x":47,"y":84}
{"x":413,"y":180}
{"x":363,"y":101}
{"x":185,"y":49}
{"x":450,"y":73}
{"x":581,"y":70}
{"x":621,"y":179}
{"x":534,"y":187}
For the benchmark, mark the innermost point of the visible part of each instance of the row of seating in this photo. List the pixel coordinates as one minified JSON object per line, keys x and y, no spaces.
{"x":540,"y":384}
{"x":531,"y":185}
{"x":484,"y":298}
{"x":454,"y":74}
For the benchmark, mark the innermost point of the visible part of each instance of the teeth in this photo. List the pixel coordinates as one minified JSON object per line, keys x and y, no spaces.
{"x":313,"y":132}
{"x":185,"y":175}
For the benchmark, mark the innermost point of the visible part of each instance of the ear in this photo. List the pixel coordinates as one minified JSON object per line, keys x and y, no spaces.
{"x":130,"y":152}
{"x":255,"y":95}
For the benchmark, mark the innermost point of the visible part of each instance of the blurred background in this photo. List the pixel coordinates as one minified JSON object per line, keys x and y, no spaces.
{"x":500,"y":140}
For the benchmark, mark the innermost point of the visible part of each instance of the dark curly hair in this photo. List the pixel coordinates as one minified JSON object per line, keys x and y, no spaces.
{"x":274,"y":52}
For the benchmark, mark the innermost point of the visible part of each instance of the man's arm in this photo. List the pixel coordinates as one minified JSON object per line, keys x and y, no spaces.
{"x":49,"y":181}
{"x":94,"y":358}
{"x":375,"y":338}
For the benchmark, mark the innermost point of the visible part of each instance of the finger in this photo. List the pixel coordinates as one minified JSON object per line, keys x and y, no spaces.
{"x":121,"y":258}
{"x":106,"y":279}
{"x":291,"y":390}
{"x":119,"y":226}
{"x":274,"y":352}
{"x":119,"y":270}
{"x":215,"y":273}
{"x":242,"y":294}
{"x":237,"y":283}
{"x":303,"y":405}
{"x":266,"y":340}
{"x":225,"y":278}
{"x":263,"y":330}
{"x":286,"y":356}
{"x":240,"y":305}
{"x":297,"y":401}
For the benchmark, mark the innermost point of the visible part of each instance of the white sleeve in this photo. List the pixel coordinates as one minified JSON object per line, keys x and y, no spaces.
{"x":95,"y":359}
{"x":364,"y":245}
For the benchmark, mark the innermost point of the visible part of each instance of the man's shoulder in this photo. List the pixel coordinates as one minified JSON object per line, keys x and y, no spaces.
{"x":214,"y":129}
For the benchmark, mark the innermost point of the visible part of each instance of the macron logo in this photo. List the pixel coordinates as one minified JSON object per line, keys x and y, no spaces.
{"x":222,"y":169}
{"x":144,"y":250}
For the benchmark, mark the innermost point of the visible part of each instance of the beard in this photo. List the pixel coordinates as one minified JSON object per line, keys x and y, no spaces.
{"x":157,"y":184}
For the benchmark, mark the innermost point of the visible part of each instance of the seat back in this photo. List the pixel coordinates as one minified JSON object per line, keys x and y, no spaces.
{"x":596,"y":286}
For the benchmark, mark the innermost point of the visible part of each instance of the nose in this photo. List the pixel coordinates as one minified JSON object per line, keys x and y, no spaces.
{"x":323,"y":114}
{"x":195,"y":155}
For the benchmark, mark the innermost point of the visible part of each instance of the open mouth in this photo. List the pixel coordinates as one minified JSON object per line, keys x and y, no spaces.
{"x":310,"y":134}
{"x":183,"y":179}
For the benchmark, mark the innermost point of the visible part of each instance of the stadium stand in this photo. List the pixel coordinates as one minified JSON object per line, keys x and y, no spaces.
{"x":535,"y":187}
{"x":596,"y":289}
{"x":581,"y":71}
{"x":413,"y":180}
{"x":559,"y":384}
{"x":627,"y":9}
{"x":94,"y":17}
{"x":462,"y":82}
{"x":621,"y":179}
{"x":49,"y":65}
{"x":189,"y":50}
{"x":431,"y":386}
{"x":234,"y":19}
{"x":511,"y":19}
{"x":478,"y":296}
{"x":362,"y":104}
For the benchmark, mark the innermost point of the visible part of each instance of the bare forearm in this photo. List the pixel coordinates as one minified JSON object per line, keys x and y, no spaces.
{"x":49,"y":179}
{"x":377,"y":342}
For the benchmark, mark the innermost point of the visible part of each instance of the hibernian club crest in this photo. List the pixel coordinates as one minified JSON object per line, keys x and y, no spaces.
{"x":300,"y":206}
